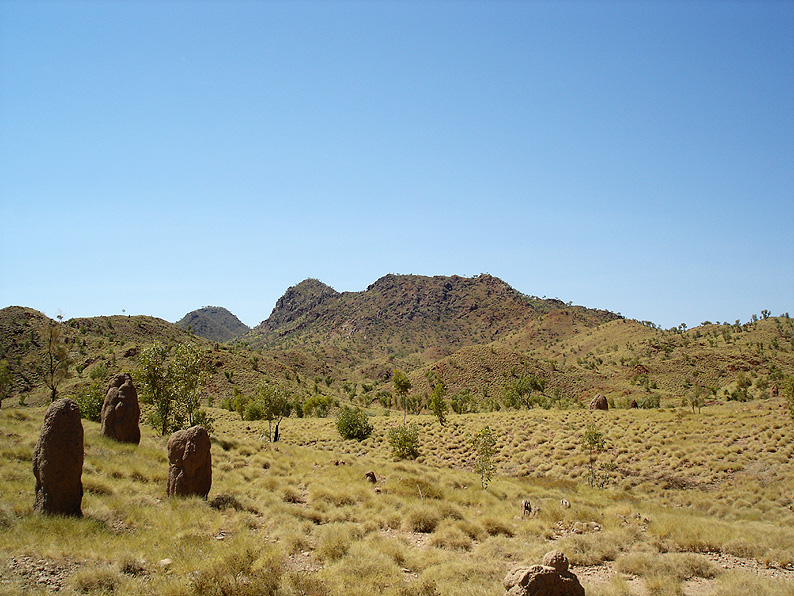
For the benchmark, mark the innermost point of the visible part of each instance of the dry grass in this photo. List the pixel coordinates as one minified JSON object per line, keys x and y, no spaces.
{"x":299,"y":517}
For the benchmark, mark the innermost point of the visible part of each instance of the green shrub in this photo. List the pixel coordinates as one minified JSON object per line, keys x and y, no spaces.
{"x":90,"y":399}
{"x":649,"y":401}
{"x":352,"y":423}
{"x":253,"y":410}
{"x":318,"y":405}
{"x":404,"y":441}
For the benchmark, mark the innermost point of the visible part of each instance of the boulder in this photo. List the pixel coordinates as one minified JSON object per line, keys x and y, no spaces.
{"x":371,"y":477}
{"x":120,"y":411}
{"x":599,"y":403}
{"x":552,"y":578}
{"x":58,"y":461}
{"x":189,"y":463}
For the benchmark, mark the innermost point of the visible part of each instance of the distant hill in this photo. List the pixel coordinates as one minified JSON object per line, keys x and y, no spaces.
{"x":214,"y":323}
{"x":405,"y":321}
{"x":410,"y":310}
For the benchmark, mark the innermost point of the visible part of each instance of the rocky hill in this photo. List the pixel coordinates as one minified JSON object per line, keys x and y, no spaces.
{"x":410,"y":319}
{"x":478,"y":335}
{"x":214,"y":323}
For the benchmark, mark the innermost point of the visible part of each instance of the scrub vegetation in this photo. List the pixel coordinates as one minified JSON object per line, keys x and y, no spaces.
{"x":688,"y":494}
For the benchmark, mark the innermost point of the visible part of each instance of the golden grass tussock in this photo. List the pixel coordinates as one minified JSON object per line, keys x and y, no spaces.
{"x":735,"y":583}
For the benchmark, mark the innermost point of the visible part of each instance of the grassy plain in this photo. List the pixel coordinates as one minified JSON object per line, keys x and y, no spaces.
{"x":685,"y":494}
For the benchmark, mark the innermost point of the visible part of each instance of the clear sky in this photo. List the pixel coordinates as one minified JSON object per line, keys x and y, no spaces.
{"x":157,"y":157}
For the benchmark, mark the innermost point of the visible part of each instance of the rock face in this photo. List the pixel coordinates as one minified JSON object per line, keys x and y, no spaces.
{"x":189,"y":463}
{"x":599,"y":403}
{"x":58,"y":461}
{"x":120,"y":411}
{"x":552,"y":578}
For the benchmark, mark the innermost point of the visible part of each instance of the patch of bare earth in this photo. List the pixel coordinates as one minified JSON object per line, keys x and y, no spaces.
{"x":42,"y":573}
{"x":596,"y":575}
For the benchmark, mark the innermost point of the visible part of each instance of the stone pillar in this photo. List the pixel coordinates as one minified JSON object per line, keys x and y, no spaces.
{"x":58,"y":461}
{"x":189,"y":463}
{"x":120,"y":411}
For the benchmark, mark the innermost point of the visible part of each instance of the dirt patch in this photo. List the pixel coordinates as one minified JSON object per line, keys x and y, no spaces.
{"x":42,"y":573}
{"x":597,"y":575}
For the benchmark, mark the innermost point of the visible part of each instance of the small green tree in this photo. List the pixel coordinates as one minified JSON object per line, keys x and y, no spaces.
{"x":275,"y":404}
{"x":484,"y":444}
{"x":694,"y":398}
{"x":743,"y":383}
{"x":788,"y":394}
{"x":89,"y":399}
{"x":402,"y":385}
{"x":189,"y":372}
{"x":404,"y":441}
{"x":318,"y":405}
{"x":6,"y":382}
{"x":153,"y":380}
{"x":53,"y":365}
{"x":519,"y":393}
{"x":437,"y":403}
{"x":463,"y":402}
{"x":593,"y":442}
{"x":173,"y":387}
{"x":352,"y":423}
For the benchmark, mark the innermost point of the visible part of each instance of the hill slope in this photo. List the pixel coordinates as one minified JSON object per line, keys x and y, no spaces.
{"x":213,"y":322}
{"x":407,"y":320}
{"x":477,"y":335}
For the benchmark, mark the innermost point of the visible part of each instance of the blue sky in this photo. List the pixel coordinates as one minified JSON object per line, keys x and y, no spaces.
{"x":156,"y":157}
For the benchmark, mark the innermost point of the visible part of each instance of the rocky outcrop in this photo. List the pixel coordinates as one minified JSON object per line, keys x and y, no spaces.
{"x":189,"y":463}
{"x":552,"y":578}
{"x":120,"y":411}
{"x":58,"y":461}
{"x":599,"y":403}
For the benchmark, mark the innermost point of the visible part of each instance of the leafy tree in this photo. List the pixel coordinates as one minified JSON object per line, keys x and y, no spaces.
{"x":90,"y":399}
{"x":484,"y":444}
{"x":153,"y":379}
{"x":238,"y":401}
{"x":402,"y":385}
{"x":593,"y":442}
{"x":519,"y":393}
{"x":352,"y":423}
{"x":6,"y":382}
{"x":695,"y":398}
{"x":404,"y":441}
{"x":463,"y":402}
{"x":54,"y":364}
{"x":318,"y":405}
{"x":189,"y":374}
{"x":743,"y":383}
{"x":173,"y":388}
{"x":437,"y":403}
{"x":275,"y":404}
